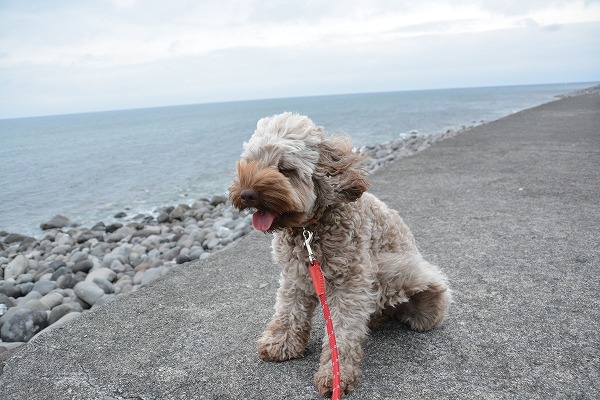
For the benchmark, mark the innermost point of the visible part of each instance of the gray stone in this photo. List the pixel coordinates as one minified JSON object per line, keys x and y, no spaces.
{"x":211,"y":243}
{"x":36,"y":304}
{"x":216,"y":200}
{"x":137,"y":278}
{"x":117,"y":266}
{"x":16,"y":238}
{"x":10,"y":289}
{"x":84,"y":266}
{"x":113,"y":227}
{"x":58,"y":221}
{"x":68,"y":317}
{"x":58,"y":273}
{"x":63,"y":239}
{"x":103,"y":284}
{"x":124,"y":289}
{"x":8,"y":315}
{"x":54,"y":265}
{"x":115,"y":237}
{"x":99,"y":250}
{"x":171,"y":254}
{"x":23,"y":325}
{"x":99,"y":227}
{"x":74,"y":305}
{"x":23,"y":278}
{"x":61,"y":249}
{"x":181,"y":259}
{"x":58,"y":312}
{"x":6,"y":301}
{"x":16,"y":267}
{"x":47,"y":271}
{"x":78,"y":256}
{"x":65,"y":281}
{"x":30,"y":296}
{"x":151,"y":241}
{"x":179,"y":212}
{"x":105,"y":273}
{"x":163,"y":217}
{"x":26,"y":288}
{"x":195,"y":252}
{"x":153,"y":274}
{"x":105,"y":299}
{"x":52,"y":300}
{"x":144,"y":233}
{"x":88,"y":292}
{"x":44,"y":287}
{"x":85,"y":236}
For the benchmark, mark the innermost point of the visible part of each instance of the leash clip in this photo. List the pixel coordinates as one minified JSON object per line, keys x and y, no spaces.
{"x":308,"y":235}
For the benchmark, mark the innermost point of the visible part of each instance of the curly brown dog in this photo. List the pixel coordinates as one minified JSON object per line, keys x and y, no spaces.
{"x":295,"y":177}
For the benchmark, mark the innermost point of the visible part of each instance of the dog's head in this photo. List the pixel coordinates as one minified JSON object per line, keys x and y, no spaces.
{"x":289,"y":171}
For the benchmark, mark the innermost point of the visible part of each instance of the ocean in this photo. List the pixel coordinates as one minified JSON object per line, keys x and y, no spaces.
{"x":90,"y":166}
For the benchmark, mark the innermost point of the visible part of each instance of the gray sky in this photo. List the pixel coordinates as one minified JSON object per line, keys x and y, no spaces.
{"x":73,"y":56}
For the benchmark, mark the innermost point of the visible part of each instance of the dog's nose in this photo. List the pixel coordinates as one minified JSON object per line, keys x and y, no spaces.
{"x":249,"y":196}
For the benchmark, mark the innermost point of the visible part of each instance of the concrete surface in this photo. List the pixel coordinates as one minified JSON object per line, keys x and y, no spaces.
{"x":509,"y":210}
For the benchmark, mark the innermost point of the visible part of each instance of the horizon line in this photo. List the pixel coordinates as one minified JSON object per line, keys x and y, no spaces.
{"x":592,"y":83}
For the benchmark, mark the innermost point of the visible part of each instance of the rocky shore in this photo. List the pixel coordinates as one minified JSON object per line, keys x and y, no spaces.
{"x":47,"y":281}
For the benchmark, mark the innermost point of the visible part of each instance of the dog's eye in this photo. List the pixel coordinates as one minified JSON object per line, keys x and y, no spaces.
{"x":286,"y":171}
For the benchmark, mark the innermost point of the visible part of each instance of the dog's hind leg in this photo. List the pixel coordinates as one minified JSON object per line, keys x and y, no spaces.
{"x":422,"y":290}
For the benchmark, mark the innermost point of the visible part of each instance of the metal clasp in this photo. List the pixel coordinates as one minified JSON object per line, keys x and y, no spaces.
{"x":308,"y":235}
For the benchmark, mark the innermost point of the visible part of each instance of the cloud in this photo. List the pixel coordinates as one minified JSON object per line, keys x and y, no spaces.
{"x":124,"y":53}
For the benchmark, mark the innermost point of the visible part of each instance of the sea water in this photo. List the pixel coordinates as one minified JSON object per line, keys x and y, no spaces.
{"x":90,"y":166}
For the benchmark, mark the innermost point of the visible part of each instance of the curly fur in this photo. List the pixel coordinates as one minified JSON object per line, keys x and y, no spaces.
{"x":296,"y":177}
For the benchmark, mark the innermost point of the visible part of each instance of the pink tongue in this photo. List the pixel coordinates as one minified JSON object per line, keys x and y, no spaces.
{"x":262,"y":220}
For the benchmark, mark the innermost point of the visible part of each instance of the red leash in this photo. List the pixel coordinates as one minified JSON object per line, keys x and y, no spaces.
{"x":319,"y":284}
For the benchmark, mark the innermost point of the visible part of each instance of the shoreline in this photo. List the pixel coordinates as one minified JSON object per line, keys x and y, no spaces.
{"x":47,"y":281}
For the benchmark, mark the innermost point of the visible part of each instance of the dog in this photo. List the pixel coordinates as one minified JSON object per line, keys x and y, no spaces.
{"x":296,"y":177}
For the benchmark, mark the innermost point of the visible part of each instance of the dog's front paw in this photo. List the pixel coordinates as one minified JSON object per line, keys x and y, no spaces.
{"x":278,"y":347}
{"x":324,"y":380}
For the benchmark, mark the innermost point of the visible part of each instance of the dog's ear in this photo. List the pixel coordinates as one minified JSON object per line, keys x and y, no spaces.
{"x":339,"y":179}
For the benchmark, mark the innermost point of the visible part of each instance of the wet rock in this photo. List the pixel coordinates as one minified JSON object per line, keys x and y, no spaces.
{"x":23,"y":325}
{"x":112,"y":227}
{"x":216,"y":200}
{"x":163,"y":217}
{"x":85,"y":236}
{"x":179,"y":212}
{"x":17,"y":238}
{"x":99,"y":227}
{"x":57,"y":221}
